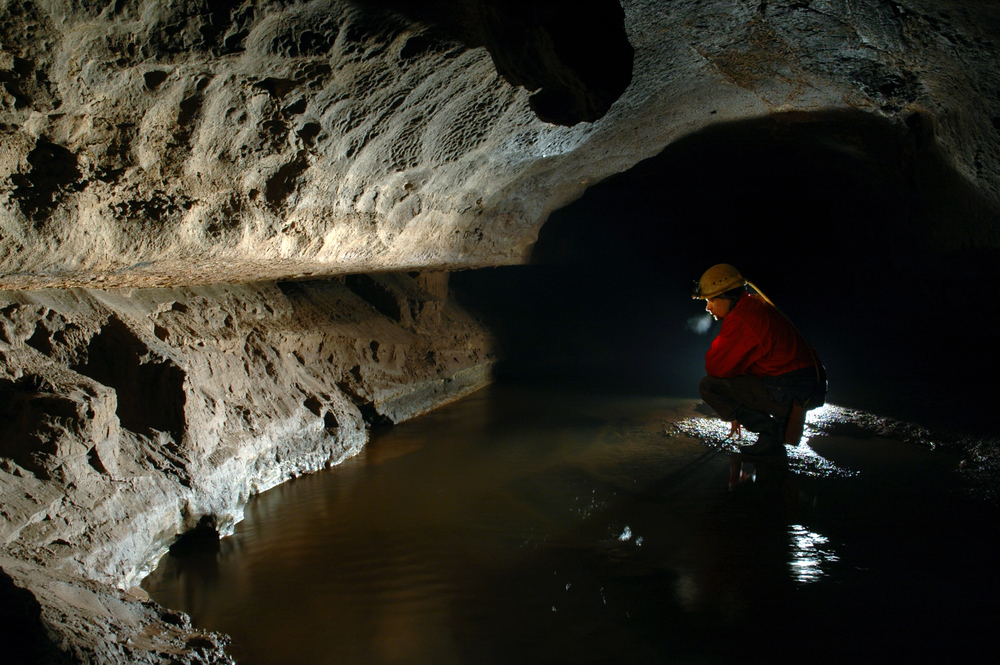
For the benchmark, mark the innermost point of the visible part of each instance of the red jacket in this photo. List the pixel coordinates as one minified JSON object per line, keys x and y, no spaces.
{"x":756,"y":339}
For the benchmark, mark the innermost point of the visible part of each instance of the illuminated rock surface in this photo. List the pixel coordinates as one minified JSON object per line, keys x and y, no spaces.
{"x":132,"y":417}
{"x":164,"y":145}
{"x":158,"y":150}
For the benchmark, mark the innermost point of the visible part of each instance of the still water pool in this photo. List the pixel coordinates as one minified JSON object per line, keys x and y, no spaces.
{"x":527,"y":525}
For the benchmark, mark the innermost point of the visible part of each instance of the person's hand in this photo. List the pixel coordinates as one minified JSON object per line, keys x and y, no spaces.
{"x":735,"y":430}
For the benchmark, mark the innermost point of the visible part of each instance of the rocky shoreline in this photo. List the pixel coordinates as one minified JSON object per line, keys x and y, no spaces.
{"x":135,"y":417}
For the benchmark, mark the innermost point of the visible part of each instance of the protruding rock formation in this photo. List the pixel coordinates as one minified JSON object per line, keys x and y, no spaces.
{"x":127,"y":418}
{"x":150,"y":144}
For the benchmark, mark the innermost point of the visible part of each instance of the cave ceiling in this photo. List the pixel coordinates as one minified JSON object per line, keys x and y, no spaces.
{"x":183,"y":143}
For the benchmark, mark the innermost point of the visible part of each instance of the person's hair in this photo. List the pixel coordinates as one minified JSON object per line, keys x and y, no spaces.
{"x":732,"y":295}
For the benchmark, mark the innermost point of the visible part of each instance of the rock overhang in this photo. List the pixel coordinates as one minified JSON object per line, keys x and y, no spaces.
{"x":151,"y":145}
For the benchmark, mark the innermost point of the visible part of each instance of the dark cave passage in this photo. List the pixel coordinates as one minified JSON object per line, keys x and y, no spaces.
{"x":879,"y":251}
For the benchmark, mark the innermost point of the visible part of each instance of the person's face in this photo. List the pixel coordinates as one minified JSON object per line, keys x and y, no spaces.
{"x":717,"y":307}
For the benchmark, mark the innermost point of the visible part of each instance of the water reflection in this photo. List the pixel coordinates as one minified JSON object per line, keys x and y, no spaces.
{"x":808,"y":556}
{"x":801,"y":459}
{"x":520,"y":526}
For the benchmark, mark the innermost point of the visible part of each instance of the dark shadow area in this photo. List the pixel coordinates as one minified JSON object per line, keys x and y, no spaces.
{"x":150,"y":390}
{"x":857,"y":229}
{"x":32,"y":417}
{"x":54,"y":171}
{"x":23,"y":634}
{"x":576,"y":61}
{"x":202,"y":539}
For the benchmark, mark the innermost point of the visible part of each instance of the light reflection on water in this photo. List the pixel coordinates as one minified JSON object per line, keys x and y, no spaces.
{"x":808,"y":556}
{"x":528,"y":526}
{"x":802,"y":459}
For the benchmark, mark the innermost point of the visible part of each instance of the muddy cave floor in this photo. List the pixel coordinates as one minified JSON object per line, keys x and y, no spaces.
{"x":869,"y":540}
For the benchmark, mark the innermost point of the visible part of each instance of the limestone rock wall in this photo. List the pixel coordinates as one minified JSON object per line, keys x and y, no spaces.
{"x":129,"y":417}
{"x":172,"y":405}
{"x":163,"y":144}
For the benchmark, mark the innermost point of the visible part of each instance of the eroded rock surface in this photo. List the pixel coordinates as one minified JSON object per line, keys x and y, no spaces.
{"x":132,"y":417}
{"x":148,"y":143}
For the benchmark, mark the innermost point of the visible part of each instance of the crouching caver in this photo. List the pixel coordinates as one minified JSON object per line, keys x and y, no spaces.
{"x":762,"y":374}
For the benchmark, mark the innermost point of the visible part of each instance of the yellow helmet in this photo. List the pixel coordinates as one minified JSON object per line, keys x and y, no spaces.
{"x":717,"y":280}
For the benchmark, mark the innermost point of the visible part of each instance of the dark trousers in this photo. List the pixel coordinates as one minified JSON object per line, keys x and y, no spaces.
{"x":761,"y":404}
